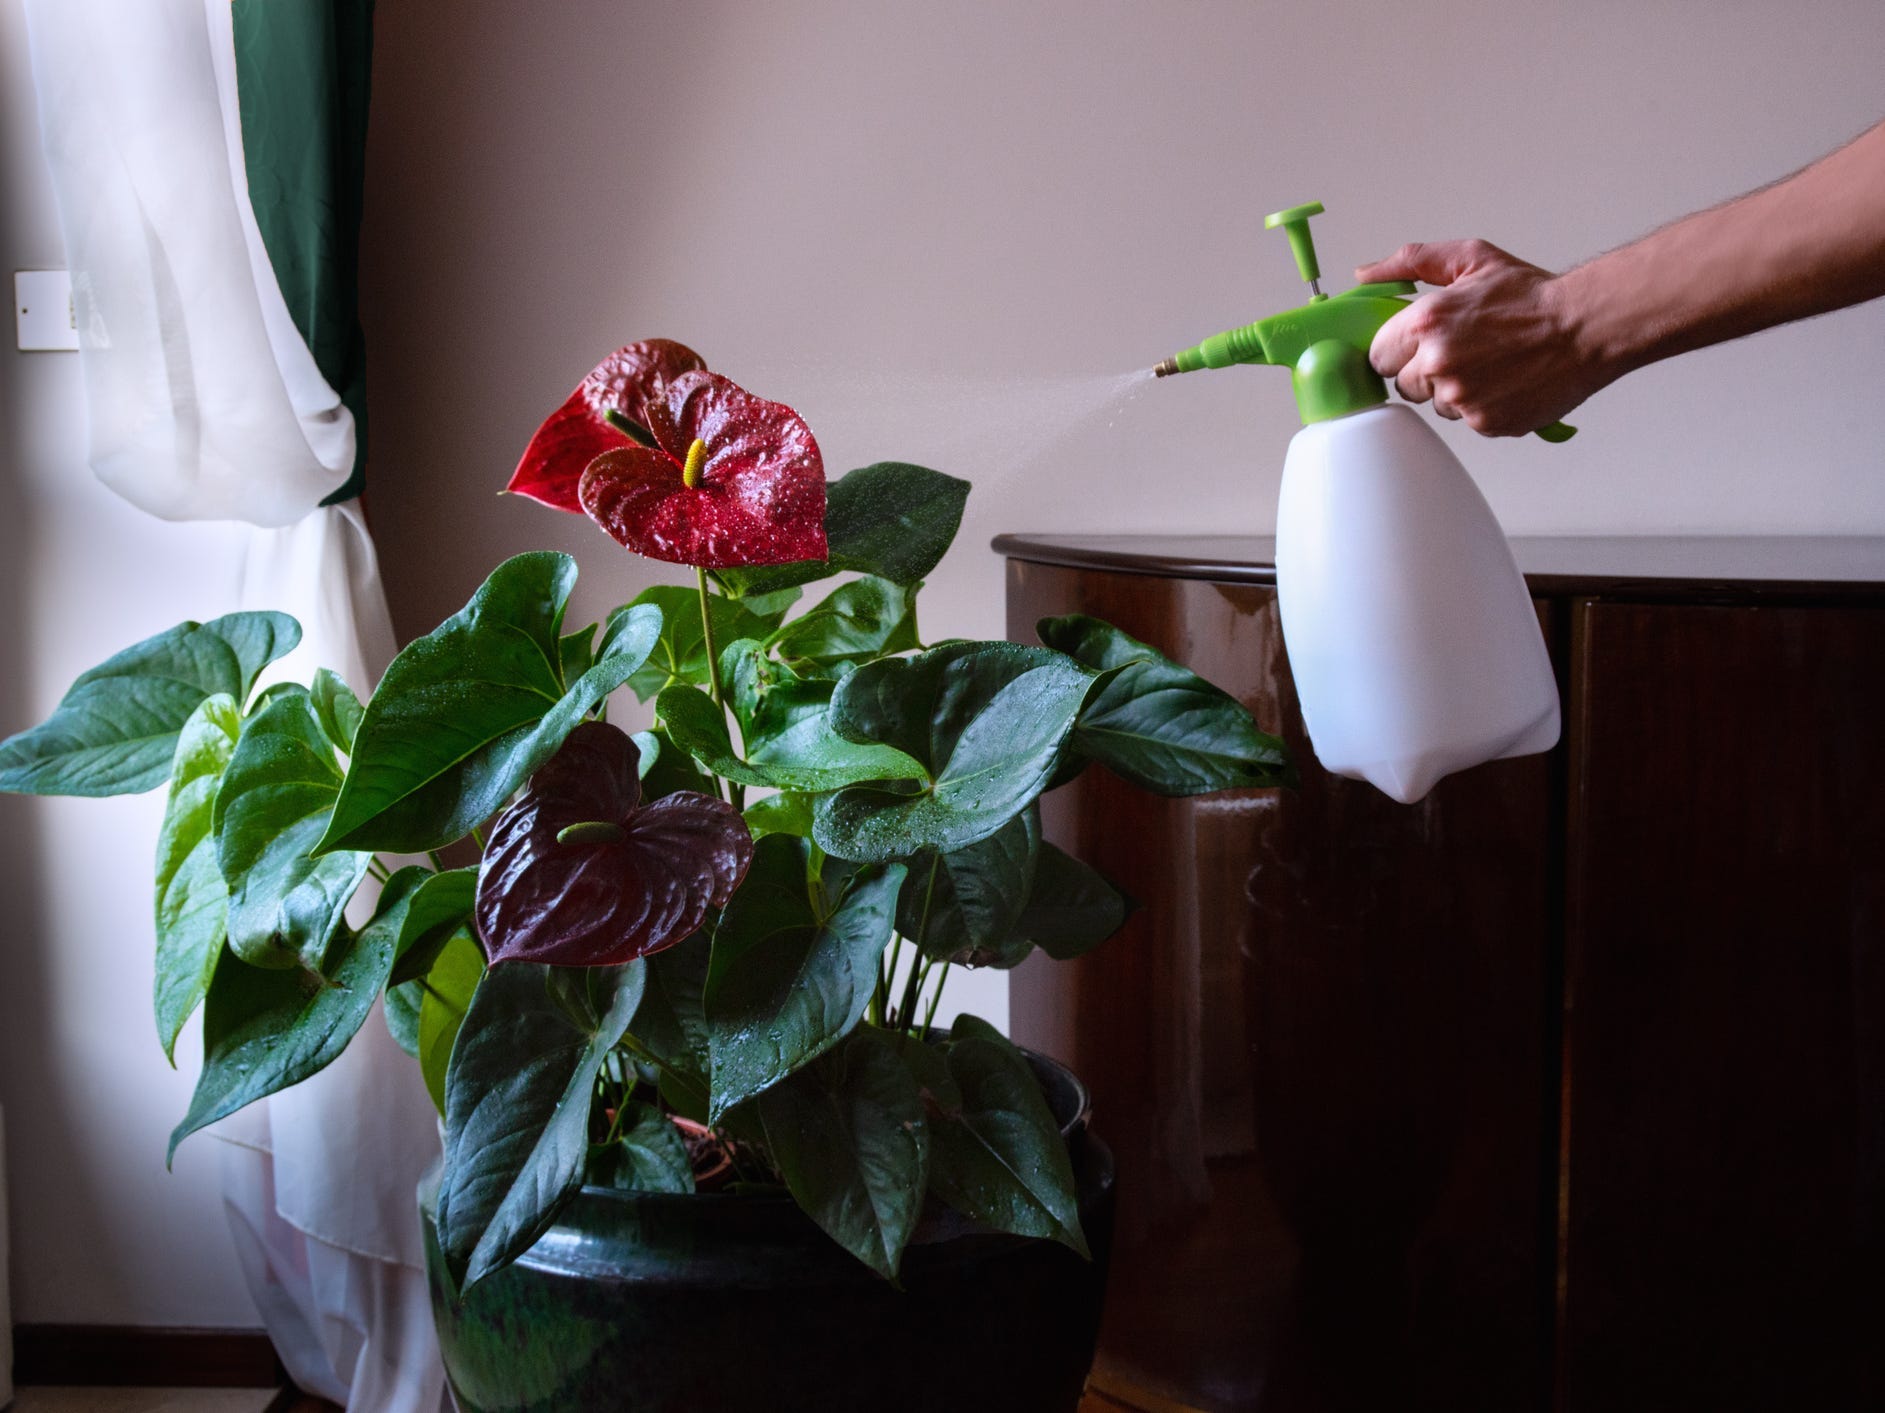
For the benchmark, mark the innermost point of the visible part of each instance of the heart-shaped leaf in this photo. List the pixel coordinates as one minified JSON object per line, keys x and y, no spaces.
{"x":265,"y":1029}
{"x":996,"y":1153}
{"x":517,"y":1101}
{"x":812,"y":758}
{"x":865,"y":618}
{"x":581,"y":429}
{"x":580,"y":873}
{"x":850,"y":1136}
{"x":192,"y":900}
{"x":1160,"y":725}
{"x":891,"y":519}
{"x":731,"y":480}
{"x":963,"y":906}
{"x":271,"y":810}
{"x":987,"y":720}
{"x":466,"y":713}
{"x":680,"y":653}
{"x":115,"y":730}
{"x":648,"y":1156}
{"x":444,"y":1000}
{"x":791,"y":976}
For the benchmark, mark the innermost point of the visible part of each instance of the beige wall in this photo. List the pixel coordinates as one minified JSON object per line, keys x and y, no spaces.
{"x":919,"y":223}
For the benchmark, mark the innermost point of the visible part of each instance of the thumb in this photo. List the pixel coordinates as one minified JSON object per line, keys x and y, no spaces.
{"x":1435,"y":262}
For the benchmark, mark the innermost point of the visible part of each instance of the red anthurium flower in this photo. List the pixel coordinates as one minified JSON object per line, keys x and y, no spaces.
{"x":731,"y":480}
{"x":579,"y":431}
{"x":579,"y":874}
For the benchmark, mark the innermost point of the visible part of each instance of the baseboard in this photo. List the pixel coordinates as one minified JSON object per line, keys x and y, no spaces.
{"x":139,"y":1355}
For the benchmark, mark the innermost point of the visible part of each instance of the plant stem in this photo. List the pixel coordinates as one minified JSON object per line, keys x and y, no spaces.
{"x":906,"y":1008}
{"x":885,"y":976}
{"x":935,"y":1000}
{"x":378,"y":869}
{"x":438,"y":864}
{"x":734,"y":788}
{"x":635,"y":1047}
{"x":477,"y":836}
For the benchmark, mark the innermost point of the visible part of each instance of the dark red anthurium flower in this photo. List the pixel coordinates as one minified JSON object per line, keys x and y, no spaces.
{"x":578,"y":873}
{"x":581,"y":429}
{"x":731,"y":480}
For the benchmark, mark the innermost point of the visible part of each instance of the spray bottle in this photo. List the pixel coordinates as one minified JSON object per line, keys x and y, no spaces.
{"x":1410,"y":632}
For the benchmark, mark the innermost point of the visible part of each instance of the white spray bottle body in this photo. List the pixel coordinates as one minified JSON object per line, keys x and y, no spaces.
{"x":1411,"y":635}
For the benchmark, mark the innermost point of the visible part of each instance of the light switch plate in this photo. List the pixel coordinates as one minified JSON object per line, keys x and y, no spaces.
{"x":42,"y":310}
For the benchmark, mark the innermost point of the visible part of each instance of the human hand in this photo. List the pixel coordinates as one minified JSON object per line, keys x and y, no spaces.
{"x":1495,"y":347}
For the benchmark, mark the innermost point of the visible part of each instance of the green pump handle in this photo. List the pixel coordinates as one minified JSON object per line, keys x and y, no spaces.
{"x":1323,"y":343}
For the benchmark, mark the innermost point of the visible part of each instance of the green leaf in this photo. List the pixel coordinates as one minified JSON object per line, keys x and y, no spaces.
{"x":401,"y":1010}
{"x":336,"y":708}
{"x":891,"y":519}
{"x":192,"y":901}
{"x":666,"y":768}
{"x":680,"y":653}
{"x":672,"y":1022}
{"x":446,"y":996}
{"x":787,"y":812}
{"x":988,"y":720}
{"x":115,"y":730}
{"x":265,"y":1029}
{"x":863,"y":619}
{"x":466,"y":713}
{"x":1071,"y":908}
{"x":424,"y":909}
{"x":997,"y":1154}
{"x":789,"y":978}
{"x":576,"y":653}
{"x":648,"y":1156}
{"x":964,"y":905}
{"x":517,"y":1101}
{"x":1160,"y":725}
{"x":850,"y":1136}
{"x":819,"y":760}
{"x":285,"y":903}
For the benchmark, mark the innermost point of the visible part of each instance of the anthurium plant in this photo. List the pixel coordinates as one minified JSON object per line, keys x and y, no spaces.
{"x":713,"y":946}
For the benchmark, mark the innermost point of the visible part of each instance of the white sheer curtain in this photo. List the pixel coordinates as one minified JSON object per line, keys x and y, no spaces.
{"x":204,"y":403}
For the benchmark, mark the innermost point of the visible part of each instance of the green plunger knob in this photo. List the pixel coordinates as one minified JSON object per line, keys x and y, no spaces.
{"x":1295,"y":224}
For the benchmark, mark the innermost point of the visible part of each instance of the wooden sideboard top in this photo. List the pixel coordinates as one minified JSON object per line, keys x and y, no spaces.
{"x":1741,"y":568}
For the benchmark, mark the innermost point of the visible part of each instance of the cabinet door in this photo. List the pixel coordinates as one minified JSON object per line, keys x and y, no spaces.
{"x":1320,"y":1053}
{"x":1725,"y":1033}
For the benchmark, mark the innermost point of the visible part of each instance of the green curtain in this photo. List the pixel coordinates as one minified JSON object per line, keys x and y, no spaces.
{"x":303,"y":73}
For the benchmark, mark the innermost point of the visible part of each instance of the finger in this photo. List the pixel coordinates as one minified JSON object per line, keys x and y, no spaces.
{"x":1446,"y":399}
{"x":1436,"y":262}
{"x":1395,"y":342}
{"x":1413,"y":383}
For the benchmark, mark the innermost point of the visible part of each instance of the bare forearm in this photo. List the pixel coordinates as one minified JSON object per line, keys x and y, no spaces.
{"x":1811,"y":243}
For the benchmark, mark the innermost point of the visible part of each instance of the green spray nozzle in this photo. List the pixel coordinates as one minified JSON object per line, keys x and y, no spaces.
{"x":1323,"y":343}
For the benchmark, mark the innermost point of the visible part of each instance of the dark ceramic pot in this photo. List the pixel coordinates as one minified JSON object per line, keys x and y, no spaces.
{"x":722,"y":1303}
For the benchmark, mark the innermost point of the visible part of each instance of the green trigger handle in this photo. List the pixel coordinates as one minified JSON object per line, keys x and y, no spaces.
{"x":1295,"y":225}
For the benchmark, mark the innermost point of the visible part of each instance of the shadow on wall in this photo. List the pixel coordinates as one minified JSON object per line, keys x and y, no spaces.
{"x":451,"y":413}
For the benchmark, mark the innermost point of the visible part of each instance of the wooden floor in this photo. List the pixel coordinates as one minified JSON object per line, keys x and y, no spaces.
{"x":145,"y":1400}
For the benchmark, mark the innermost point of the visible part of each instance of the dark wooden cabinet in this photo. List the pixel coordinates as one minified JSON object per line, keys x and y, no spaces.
{"x":1564,"y":1088}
